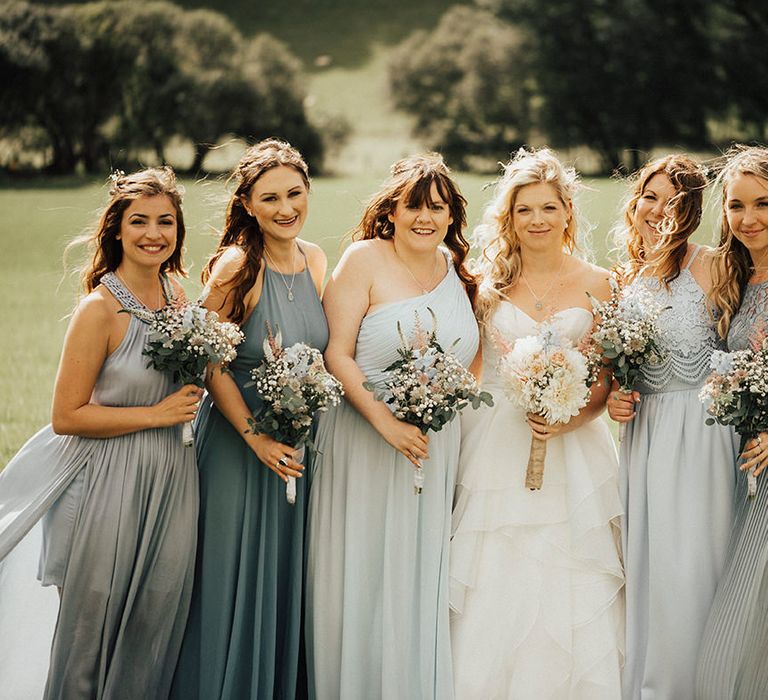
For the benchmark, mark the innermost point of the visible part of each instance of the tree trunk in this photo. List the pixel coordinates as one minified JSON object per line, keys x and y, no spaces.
{"x":201,"y":150}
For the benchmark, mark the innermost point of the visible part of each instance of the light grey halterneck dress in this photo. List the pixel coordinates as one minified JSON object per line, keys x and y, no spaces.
{"x":119,"y":535}
{"x":677,"y":481}
{"x":377,"y":570}
{"x":734,"y":651}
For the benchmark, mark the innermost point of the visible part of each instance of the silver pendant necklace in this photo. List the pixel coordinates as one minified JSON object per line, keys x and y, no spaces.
{"x":539,"y":300}
{"x":288,"y":287}
{"x":423,"y":288}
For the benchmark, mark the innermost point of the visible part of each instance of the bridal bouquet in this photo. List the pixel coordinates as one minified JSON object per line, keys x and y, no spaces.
{"x":736,"y":393}
{"x":427,"y":386}
{"x":184,"y":338}
{"x":293,"y":385}
{"x":547,"y":375}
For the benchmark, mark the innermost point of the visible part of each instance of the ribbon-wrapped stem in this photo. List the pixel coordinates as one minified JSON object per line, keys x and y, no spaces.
{"x":534,"y":475}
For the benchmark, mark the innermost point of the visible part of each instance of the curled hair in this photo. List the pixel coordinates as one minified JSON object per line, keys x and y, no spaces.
{"x":243,"y":230}
{"x":733,"y":264}
{"x":103,"y":243}
{"x":411,"y":181}
{"x":682,"y":216}
{"x":500,"y":262}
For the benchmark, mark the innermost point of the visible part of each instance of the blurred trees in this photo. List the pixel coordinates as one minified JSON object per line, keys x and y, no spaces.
{"x":103,"y":80}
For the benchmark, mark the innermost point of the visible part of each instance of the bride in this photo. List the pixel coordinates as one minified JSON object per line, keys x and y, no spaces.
{"x":536,"y":576}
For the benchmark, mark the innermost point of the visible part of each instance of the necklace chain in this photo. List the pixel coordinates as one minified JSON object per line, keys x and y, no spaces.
{"x":136,"y":296}
{"x":288,"y":287}
{"x":423,"y":288}
{"x":539,"y":300}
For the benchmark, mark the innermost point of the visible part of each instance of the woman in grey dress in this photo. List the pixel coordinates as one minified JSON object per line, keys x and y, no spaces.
{"x":116,"y":486}
{"x":675,"y":474}
{"x":735,"y":644}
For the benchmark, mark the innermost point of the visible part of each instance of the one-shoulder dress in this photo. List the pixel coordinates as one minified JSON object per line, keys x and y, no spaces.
{"x":732,"y":664}
{"x":244,"y":637}
{"x":377,"y":591}
{"x":118,"y":535}
{"x":677,"y":485}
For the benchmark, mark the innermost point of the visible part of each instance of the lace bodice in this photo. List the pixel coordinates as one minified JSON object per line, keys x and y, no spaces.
{"x":751,"y":317}
{"x":687,"y":335}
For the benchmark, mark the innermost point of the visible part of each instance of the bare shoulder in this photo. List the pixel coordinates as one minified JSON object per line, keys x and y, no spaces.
{"x":96,"y":310}
{"x":594,"y":279}
{"x":178,"y":291}
{"x":365,"y":255}
{"x":228,"y":263}
{"x":313,"y":251}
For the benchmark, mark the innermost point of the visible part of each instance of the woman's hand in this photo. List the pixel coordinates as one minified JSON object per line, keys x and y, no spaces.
{"x":621,"y":405}
{"x":276,"y":456}
{"x":406,"y":439}
{"x":543,"y":430}
{"x":178,"y":407}
{"x":755,"y":454}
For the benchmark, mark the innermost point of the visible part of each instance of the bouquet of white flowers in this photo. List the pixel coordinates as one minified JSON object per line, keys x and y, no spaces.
{"x":736,"y":393}
{"x":293,"y":385}
{"x":547,"y":375}
{"x":184,"y":338}
{"x":428,"y":386}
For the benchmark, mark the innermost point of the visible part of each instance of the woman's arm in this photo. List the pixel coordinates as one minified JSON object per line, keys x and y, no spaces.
{"x":86,"y":347}
{"x":346,"y":301}
{"x":222,"y":387}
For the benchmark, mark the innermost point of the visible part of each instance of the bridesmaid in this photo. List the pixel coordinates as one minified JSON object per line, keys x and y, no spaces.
{"x":244,"y":637}
{"x":735,"y":644}
{"x":119,"y":487}
{"x":676,"y":480}
{"x":377,"y":597}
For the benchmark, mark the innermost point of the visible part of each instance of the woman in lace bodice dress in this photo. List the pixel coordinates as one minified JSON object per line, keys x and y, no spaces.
{"x":536,"y":577}
{"x":111,"y":476}
{"x":676,"y":479}
{"x":732,"y":663}
{"x":377,"y":607}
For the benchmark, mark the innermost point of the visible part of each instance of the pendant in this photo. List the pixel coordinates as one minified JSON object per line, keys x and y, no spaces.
{"x":539,"y":306}
{"x":290,"y":295}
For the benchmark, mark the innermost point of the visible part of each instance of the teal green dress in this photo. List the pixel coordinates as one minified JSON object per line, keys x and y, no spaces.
{"x":244,"y":635}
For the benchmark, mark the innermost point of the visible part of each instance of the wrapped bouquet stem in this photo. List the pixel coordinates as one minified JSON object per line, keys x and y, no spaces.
{"x":534,"y":473}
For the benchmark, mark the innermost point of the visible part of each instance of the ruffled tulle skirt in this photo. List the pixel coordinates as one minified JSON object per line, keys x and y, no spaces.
{"x":536,"y":576}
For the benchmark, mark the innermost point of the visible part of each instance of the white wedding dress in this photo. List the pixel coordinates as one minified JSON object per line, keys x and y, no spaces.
{"x":536,"y":576}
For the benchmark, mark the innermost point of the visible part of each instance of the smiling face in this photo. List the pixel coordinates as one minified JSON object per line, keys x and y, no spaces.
{"x":278,"y":201}
{"x":539,"y":216}
{"x":746,"y":209}
{"x":148,"y":231}
{"x":649,"y":210}
{"x":421,"y":226}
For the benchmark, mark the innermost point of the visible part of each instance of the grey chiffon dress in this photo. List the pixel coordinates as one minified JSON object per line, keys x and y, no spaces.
{"x":377,"y":586}
{"x":735,"y":645}
{"x":677,"y":484}
{"x":119,"y":535}
{"x":244,"y":639}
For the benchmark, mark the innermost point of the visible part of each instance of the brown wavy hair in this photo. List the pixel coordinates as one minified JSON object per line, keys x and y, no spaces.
{"x":682,"y":216}
{"x":733,"y":264}
{"x":243,"y":230}
{"x":105,"y":248}
{"x":411,"y":181}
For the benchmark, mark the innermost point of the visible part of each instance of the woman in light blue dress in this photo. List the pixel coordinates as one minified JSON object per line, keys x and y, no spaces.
{"x":735,"y":645}
{"x":244,"y":637}
{"x":676,"y":477}
{"x":377,"y":570}
{"x":111,"y":476}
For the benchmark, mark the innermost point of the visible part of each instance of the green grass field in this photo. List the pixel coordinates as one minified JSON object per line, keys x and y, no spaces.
{"x":36,"y":222}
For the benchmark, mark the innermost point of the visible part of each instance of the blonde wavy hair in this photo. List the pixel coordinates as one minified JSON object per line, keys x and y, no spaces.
{"x":499,"y":264}
{"x":682,"y":216}
{"x":732,"y":266}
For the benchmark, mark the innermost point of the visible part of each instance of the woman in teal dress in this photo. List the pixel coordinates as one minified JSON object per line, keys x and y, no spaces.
{"x":377,"y":570}
{"x":111,"y":478}
{"x":244,"y":636}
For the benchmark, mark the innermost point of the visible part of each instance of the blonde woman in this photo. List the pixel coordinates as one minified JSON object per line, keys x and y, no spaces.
{"x":676,"y":479}
{"x":536,"y":577}
{"x":735,"y":643}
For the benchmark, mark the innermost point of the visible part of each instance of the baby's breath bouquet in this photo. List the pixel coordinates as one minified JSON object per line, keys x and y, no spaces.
{"x":427,"y":386}
{"x":736,"y":393}
{"x":293,"y":385}
{"x":547,"y":375}
{"x":184,"y":338}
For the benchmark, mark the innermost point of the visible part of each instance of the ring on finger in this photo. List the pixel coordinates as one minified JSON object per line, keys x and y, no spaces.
{"x":282,"y":462}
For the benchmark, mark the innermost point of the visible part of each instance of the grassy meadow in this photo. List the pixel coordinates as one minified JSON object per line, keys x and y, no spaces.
{"x":37,"y":221}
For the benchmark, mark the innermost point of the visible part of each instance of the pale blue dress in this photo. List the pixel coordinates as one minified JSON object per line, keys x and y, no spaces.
{"x":118,"y":535}
{"x":244,"y":637}
{"x":735,"y":645}
{"x":377,"y":597}
{"x":677,"y":483}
